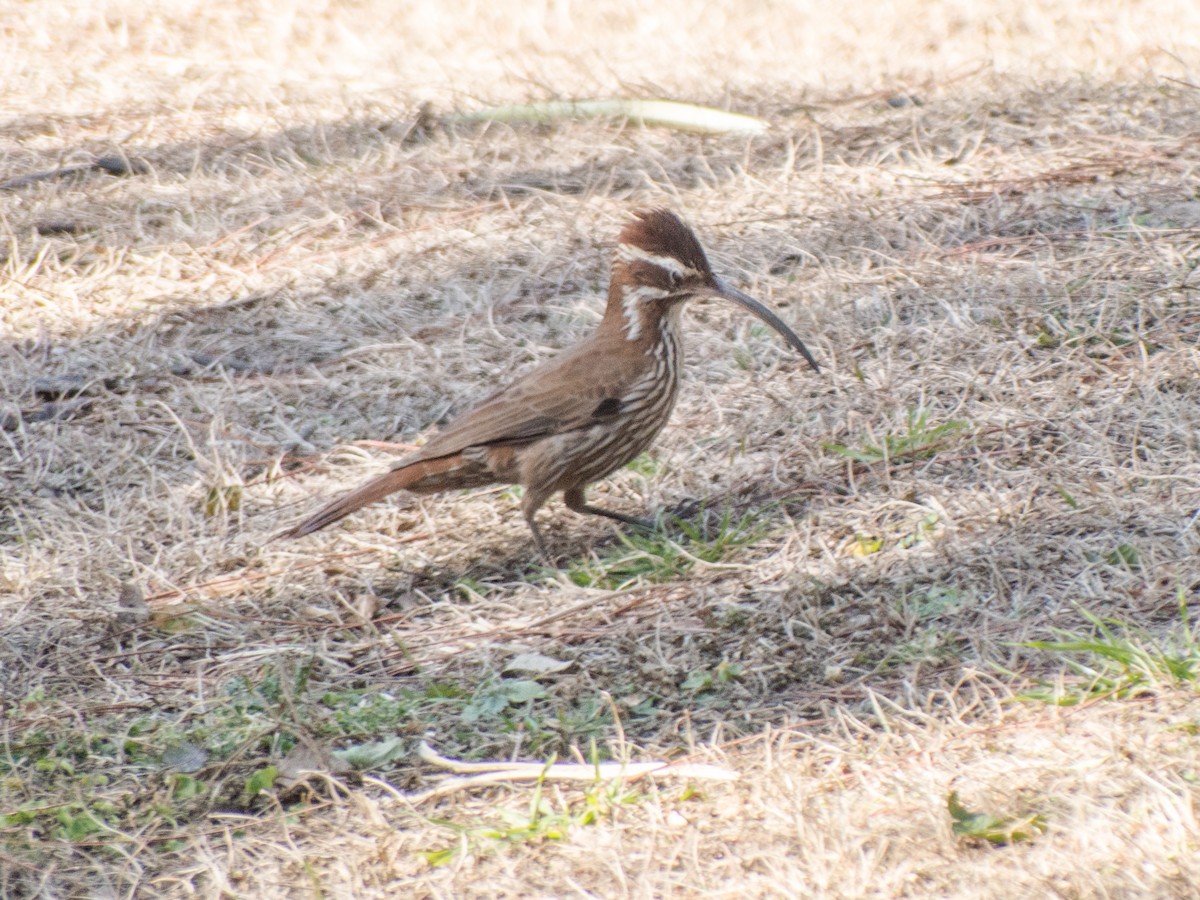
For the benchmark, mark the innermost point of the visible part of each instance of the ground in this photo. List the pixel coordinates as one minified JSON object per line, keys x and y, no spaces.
{"x":928,"y":615}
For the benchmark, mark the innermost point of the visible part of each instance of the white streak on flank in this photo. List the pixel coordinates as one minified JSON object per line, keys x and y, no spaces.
{"x":632,"y":298}
{"x":633,"y":253}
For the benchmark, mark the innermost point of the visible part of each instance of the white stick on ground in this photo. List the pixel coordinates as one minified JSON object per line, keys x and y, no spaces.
{"x":494,"y":772}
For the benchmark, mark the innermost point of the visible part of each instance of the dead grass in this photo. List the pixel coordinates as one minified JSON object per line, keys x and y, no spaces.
{"x":987,"y":229}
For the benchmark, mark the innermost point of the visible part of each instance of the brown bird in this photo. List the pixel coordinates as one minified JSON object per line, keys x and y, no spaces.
{"x":586,"y":412}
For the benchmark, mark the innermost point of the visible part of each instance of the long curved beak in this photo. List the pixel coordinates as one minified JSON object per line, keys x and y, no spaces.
{"x":746,"y":301}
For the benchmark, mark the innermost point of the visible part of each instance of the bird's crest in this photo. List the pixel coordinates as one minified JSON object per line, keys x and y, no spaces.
{"x":657,"y":259}
{"x":658,"y":237}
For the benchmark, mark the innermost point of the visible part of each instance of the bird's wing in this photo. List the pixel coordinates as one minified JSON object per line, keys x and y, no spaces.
{"x":572,"y":391}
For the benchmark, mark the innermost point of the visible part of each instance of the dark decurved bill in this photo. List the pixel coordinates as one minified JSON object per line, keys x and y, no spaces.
{"x":748,"y":302}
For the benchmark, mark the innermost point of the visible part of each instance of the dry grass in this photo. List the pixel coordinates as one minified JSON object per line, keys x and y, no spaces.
{"x":1000,"y":281}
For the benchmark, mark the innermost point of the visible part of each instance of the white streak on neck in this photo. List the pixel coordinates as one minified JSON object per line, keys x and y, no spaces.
{"x":633,"y":297}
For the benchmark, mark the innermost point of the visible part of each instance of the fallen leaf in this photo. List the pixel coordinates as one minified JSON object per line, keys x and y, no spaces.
{"x":537,"y":664}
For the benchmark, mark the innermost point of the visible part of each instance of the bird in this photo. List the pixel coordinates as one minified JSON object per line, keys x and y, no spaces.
{"x":586,"y":412}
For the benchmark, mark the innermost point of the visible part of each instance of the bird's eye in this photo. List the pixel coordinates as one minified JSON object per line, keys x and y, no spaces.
{"x":676,"y":280}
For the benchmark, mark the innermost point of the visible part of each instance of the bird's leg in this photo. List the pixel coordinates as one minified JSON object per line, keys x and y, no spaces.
{"x":575,"y":501}
{"x":530,"y":504}
{"x":539,"y":540}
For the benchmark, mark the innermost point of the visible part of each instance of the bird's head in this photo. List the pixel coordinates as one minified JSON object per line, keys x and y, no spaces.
{"x":658,"y":264}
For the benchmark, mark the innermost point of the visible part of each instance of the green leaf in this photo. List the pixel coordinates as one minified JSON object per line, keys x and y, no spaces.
{"x":22,"y":816}
{"x":185,"y":787}
{"x":523,"y":691}
{"x":372,"y":755}
{"x":222,"y":499}
{"x":440,"y":857}
{"x":865,"y":545}
{"x":869,"y":455}
{"x":729,"y":671}
{"x":1124,"y":555}
{"x":262,"y":780}
{"x":994,"y":829}
{"x":1067,"y":498}
{"x":77,"y":824}
{"x":698,"y":681}
{"x":494,"y":697}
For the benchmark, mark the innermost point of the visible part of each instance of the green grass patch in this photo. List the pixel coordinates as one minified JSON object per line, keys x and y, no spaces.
{"x":1117,"y":659}
{"x":655,"y":557}
{"x":919,"y":440}
{"x":547,"y":818}
{"x":998,"y":830}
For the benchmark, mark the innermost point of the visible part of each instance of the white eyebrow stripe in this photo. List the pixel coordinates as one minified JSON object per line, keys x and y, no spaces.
{"x":634,"y":253}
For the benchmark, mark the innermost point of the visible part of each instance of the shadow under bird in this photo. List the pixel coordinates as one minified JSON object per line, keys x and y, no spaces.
{"x":586,"y":412}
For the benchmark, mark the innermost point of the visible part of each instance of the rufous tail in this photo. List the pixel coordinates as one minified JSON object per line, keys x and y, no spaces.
{"x":421,"y":476}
